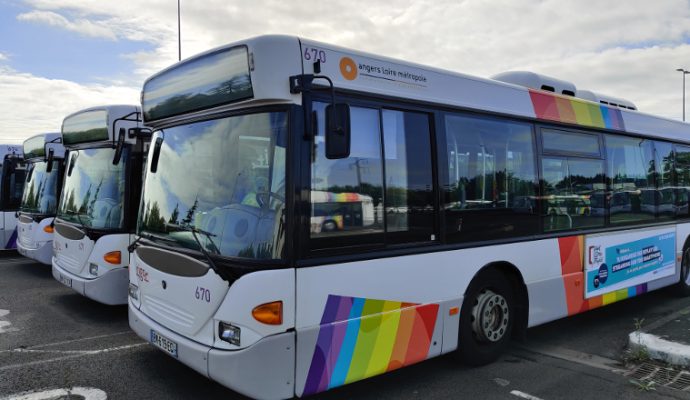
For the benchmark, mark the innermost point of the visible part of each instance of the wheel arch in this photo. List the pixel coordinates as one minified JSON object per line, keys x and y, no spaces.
{"x":517,"y":282}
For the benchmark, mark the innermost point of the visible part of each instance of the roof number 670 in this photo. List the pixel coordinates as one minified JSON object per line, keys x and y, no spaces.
{"x":311,"y":53}
{"x":203,"y":294}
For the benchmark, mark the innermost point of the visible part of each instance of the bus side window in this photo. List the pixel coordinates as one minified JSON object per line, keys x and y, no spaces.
{"x":492,"y":180}
{"x":409,"y":199}
{"x":347,"y":193}
{"x":682,"y":180}
{"x":631,"y":170}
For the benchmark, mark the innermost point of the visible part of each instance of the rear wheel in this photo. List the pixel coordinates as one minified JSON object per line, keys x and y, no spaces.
{"x":486,"y":318}
{"x":683,"y":287}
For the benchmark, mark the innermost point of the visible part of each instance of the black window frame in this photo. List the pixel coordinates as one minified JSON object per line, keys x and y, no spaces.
{"x":376,"y":242}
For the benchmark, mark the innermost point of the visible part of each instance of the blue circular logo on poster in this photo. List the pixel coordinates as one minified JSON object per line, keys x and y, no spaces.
{"x":602,"y":276}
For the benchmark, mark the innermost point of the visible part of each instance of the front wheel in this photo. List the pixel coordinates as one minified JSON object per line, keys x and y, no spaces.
{"x":486,"y":318}
{"x":683,"y":287}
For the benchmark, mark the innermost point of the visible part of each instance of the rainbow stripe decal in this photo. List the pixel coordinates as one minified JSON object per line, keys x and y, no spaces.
{"x":361,"y":337}
{"x":574,"y":111}
{"x":12,"y":242}
{"x":572,"y":266}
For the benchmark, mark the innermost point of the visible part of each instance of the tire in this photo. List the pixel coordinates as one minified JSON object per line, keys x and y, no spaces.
{"x":329,"y":226}
{"x":486,"y":319}
{"x":682,"y":288}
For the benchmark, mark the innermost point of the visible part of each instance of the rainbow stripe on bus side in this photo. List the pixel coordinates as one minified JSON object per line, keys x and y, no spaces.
{"x":574,"y":111}
{"x":360,"y":338}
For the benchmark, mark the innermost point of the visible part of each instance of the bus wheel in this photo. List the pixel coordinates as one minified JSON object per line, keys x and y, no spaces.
{"x":486,"y":318}
{"x":683,"y":287}
{"x":329,"y":226}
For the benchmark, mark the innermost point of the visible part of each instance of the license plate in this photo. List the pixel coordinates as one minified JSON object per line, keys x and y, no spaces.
{"x":163,"y":343}
{"x":65,"y":280}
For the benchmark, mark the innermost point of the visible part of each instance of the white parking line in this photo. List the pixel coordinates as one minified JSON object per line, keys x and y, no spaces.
{"x":524,"y":395}
{"x":6,"y":326}
{"x":69,"y":354}
{"x":85,"y":392}
{"x":39,"y":346}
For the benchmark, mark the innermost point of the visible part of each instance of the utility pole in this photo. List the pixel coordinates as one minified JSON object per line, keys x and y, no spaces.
{"x":179,"y":34}
{"x":685,"y":72}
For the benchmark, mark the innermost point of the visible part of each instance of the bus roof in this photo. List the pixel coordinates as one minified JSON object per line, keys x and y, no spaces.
{"x":93,"y":126}
{"x":272,"y":59}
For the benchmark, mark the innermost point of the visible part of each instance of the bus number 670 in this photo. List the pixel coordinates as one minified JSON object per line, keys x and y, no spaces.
{"x":203,"y":294}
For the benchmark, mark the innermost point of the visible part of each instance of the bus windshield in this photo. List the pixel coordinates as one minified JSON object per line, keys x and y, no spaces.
{"x":219,"y":184}
{"x":94,"y":189}
{"x":40,"y":194}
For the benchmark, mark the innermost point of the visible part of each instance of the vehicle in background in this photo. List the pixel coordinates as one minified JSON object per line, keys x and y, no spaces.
{"x":11,"y":188}
{"x":45,"y":165}
{"x":100,"y":196}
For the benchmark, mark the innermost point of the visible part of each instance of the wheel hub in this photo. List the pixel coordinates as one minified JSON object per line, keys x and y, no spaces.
{"x":490,"y":316}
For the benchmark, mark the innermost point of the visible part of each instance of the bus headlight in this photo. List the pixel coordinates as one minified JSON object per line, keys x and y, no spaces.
{"x":229,"y":333}
{"x":93,"y":269}
{"x":133,"y":291}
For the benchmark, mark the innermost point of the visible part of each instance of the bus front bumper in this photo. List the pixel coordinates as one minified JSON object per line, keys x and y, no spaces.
{"x":109,"y":288}
{"x":43,"y":252}
{"x":264,"y":370}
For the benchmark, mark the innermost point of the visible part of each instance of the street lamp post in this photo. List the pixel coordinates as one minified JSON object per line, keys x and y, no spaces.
{"x":179,"y":35}
{"x":685,"y":72}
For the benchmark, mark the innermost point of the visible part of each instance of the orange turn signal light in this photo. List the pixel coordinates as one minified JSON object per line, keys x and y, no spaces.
{"x":113,"y":257}
{"x":269,"y":313}
{"x":48,"y":229}
{"x":454,"y":311}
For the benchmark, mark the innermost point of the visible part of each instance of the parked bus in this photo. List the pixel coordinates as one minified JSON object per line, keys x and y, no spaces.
{"x":97,"y":213}
{"x":336,"y":212}
{"x":11,"y":187}
{"x":44,"y":155}
{"x":229,"y":276}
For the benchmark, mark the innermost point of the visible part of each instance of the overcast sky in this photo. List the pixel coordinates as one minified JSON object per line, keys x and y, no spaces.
{"x":60,"y":56}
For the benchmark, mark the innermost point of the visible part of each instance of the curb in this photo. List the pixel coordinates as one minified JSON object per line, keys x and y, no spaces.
{"x":661,"y":349}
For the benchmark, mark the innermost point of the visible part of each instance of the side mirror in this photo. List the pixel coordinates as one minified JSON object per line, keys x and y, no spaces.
{"x":49,"y":160}
{"x":156,"y":154}
{"x":73,"y":160}
{"x":120,"y":145}
{"x":337,"y":131}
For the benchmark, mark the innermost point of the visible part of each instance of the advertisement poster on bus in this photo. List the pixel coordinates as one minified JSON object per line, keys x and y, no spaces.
{"x":615,"y":262}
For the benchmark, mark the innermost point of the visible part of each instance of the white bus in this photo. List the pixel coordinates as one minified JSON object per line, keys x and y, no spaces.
{"x":12,"y":171}
{"x":230,"y":278}
{"x":100,"y":196}
{"x":44,"y":155}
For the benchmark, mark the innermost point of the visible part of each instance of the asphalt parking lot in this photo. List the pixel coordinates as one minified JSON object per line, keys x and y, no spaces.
{"x":53,"y":340}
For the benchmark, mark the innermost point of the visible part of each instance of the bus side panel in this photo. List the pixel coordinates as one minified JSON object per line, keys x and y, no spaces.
{"x":575,"y":254}
{"x":357,"y":319}
{"x":9,"y":233}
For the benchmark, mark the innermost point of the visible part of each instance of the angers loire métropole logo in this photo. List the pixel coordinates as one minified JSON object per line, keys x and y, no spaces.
{"x":351,"y":70}
{"x":348,"y":68}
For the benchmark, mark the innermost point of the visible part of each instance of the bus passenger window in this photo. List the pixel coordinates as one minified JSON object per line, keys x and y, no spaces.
{"x":491,"y":188}
{"x":347,"y":194}
{"x":574,"y":193}
{"x":631,"y":170}
{"x":409,"y":199}
{"x":668,"y":195}
{"x":682,"y":177}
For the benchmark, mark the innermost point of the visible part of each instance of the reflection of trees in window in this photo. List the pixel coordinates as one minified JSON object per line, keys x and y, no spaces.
{"x":152,"y":219}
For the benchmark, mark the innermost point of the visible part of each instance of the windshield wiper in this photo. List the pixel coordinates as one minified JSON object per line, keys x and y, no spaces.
{"x":223,"y":273}
{"x":142,"y":235}
{"x":73,"y":212}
